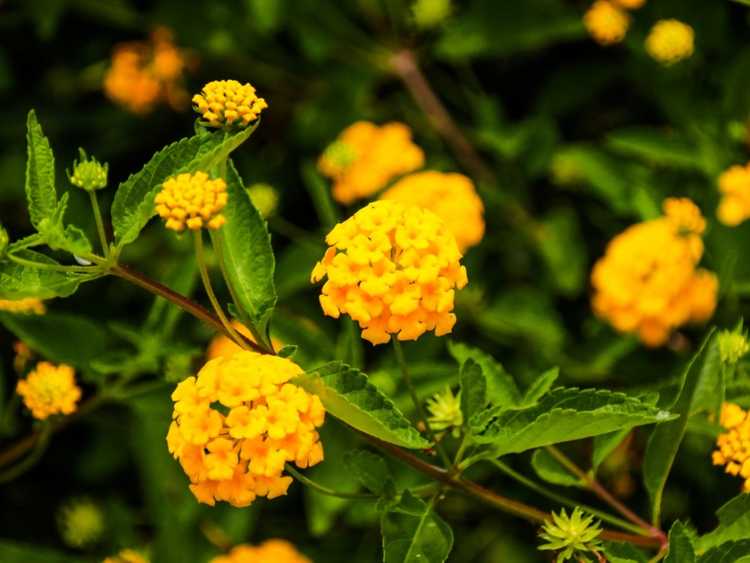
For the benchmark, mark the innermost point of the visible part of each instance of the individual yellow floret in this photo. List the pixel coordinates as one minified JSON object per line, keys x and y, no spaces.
{"x":270,"y":551}
{"x":452,"y":197}
{"x":193,"y":201}
{"x":366,"y":157}
{"x":227,"y":103}
{"x":49,"y":389}
{"x":734,"y":186}
{"x":648,"y":282}
{"x":670,"y":41}
{"x":606,"y":23}
{"x":127,"y":556}
{"x":28,"y":305}
{"x":733,"y":446}
{"x":394,"y":269}
{"x":238,"y":422}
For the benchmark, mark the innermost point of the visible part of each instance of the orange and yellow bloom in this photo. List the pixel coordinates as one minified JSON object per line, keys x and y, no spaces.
{"x":606,"y":23}
{"x":49,"y":389}
{"x":733,"y":446}
{"x":226,"y":103}
{"x":28,"y":306}
{"x":193,"y":201}
{"x":734,"y":186}
{"x":270,"y":551}
{"x":670,"y":41}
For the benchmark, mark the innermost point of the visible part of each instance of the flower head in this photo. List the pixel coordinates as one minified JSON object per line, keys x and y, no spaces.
{"x":270,"y":551}
{"x":238,"y":422}
{"x":733,"y":446}
{"x":264,"y":197}
{"x":733,"y":345}
{"x":431,"y":13}
{"x":366,"y":157}
{"x":49,"y":389}
{"x":670,"y":41}
{"x":27,"y":305}
{"x":445,"y":411}
{"x":81,"y":522}
{"x":88,"y":173}
{"x":193,"y":201}
{"x":606,"y":23}
{"x":734,"y":186}
{"x":648,"y":281}
{"x":394,"y":269}
{"x":127,"y":556}
{"x":452,"y":197}
{"x":573,"y":536}
{"x":228,"y":103}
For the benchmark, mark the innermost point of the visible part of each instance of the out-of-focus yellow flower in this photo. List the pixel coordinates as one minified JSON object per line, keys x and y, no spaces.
{"x":733,"y":446}
{"x":630,"y":4}
{"x":452,"y":197}
{"x":223,"y":346}
{"x":606,"y":23}
{"x":228,"y":102}
{"x":28,"y":305}
{"x":265,"y":198}
{"x":144,"y":73}
{"x":734,"y":186}
{"x":270,"y":551}
{"x":127,"y":556}
{"x":81,"y":522}
{"x":49,"y":389}
{"x":366,"y":157}
{"x":648,"y":282}
{"x":445,"y":412}
{"x":393,"y":269}
{"x":238,"y":453}
{"x":193,"y":201}
{"x":431,"y":13}
{"x":670,"y":41}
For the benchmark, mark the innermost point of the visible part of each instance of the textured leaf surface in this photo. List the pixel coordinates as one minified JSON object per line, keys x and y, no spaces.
{"x":347,"y":394}
{"x":501,"y":387}
{"x":473,"y":388}
{"x":680,"y":545}
{"x":40,"y":172}
{"x":541,"y":386}
{"x":413,"y":533}
{"x":729,"y":552}
{"x":370,"y":469}
{"x":734,"y":523}
{"x":17,"y":281}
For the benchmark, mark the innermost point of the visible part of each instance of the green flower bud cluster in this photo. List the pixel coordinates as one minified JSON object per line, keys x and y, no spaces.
{"x":88,"y":173}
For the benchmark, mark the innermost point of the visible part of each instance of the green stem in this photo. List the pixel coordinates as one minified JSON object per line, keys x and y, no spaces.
{"x":40,"y":446}
{"x":536,"y":487}
{"x":99,"y":223}
{"x":322,"y":489}
{"x":417,"y":404}
{"x":52,"y":267}
{"x":198,"y":238}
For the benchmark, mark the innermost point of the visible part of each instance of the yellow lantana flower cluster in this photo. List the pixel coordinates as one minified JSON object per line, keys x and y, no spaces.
{"x":270,"y":551}
{"x":733,"y":446}
{"x":734,"y":185}
{"x":393,"y":269}
{"x":49,"y":389}
{"x":366,"y":157}
{"x":238,"y":422}
{"x":127,"y":556}
{"x":606,"y":22}
{"x":648,"y":282}
{"x":193,"y":201}
{"x":228,"y":102}
{"x":670,"y":41}
{"x":143,"y":73}
{"x":450,"y":196}
{"x":28,"y":305}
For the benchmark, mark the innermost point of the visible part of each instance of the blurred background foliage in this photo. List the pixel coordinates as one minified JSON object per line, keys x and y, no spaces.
{"x":579,"y":141}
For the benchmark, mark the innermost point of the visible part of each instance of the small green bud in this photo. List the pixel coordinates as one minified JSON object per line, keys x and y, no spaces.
{"x":81,"y":522}
{"x":733,"y":345}
{"x":264,"y":198}
{"x":431,"y":13}
{"x":445,"y":412}
{"x":4,"y":239}
{"x":571,"y":536}
{"x":88,"y":173}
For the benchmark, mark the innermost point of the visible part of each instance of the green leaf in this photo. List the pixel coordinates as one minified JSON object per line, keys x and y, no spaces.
{"x":349,"y":396}
{"x":60,"y":337}
{"x":370,"y":469}
{"x":19,"y":281}
{"x":563,"y":250}
{"x":680,"y":545}
{"x":655,"y":147}
{"x":320,"y":193}
{"x":246,"y":250}
{"x":15,"y":552}
{"x":473,"y":388}
{"x":61,"y":237}
{"x":734,"y":523}
{"x":729,"y":552}
{"x":40,"y":173}
{"x":501,"y":387}
{"x":413,"y":533}
{"x":665,"y":440}
{"x":618,"y":552}
{"x":561,"y":416}
{"x":540,"y":387}
{"x":549,"y":469}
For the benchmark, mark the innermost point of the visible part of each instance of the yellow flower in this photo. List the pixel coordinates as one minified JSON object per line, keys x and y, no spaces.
{"x":648,"y":282}
{"x":193,"y":201}
{"x":606,"y":23}
{"x":127,"y":556}
{"x":28,"y":305}
{"x":270,"y":551}
{"x":81,"y":523}
{"x":734,"y":186}
{"x":238,"y":453}
{"x":630,"y":4}
{"x":733,"y":446}
{"x":431,"y":13}
{"x":670,"y":41}
{"x":366,"y":157}
{"x":144,"y":73}
{"x":393,"y":269}
{"x":733,"y":345}
{"x":445,"y":412}
{"x":228,"y":102}
{"x":49,"y":389}
{"x":452,"y":197}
